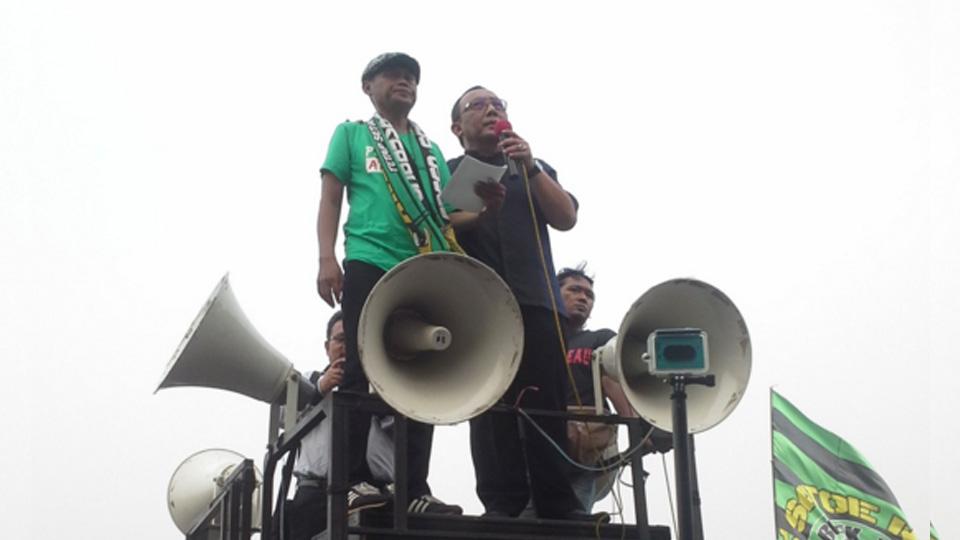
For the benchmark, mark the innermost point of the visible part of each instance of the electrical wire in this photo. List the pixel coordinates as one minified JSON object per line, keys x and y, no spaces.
{"x":548,"y":280}
{"x":666,"y":480}
{"x":618,"y":502}
{"x":623,"y":458}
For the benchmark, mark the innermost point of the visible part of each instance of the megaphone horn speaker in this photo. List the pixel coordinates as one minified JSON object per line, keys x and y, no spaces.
{"x":440,"y":337}
{"x":682,"y":303}
{"x":198,"y":480}
{"x":223,"y":350}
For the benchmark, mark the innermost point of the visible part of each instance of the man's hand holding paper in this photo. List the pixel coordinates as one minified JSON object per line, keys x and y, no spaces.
{"x":475,"y":185}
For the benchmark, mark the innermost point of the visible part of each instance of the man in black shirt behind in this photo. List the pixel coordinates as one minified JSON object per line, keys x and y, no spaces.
{"x":503,"y":236}
{"x":576,"y":289}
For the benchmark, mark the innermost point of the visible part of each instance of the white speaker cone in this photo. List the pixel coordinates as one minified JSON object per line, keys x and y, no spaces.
{"x":449,"y":298}
{"x":685,"y":303}
{"x":223,"y":350}
{"x":198,"y":480}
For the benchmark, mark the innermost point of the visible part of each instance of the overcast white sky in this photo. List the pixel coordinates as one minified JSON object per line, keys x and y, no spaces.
{"x":802,"y":157}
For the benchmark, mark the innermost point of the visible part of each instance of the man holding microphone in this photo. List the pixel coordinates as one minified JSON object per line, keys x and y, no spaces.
{"x":510,"y":235}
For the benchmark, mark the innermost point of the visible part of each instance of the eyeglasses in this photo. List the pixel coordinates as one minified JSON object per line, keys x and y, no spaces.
{"x":480,"y":104}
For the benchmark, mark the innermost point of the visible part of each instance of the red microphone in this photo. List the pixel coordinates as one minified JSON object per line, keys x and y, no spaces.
{"x":499,"y":129}
{"x":501,"y":126}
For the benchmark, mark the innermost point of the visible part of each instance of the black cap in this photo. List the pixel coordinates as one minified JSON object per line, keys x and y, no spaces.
{"x":391,"y":60}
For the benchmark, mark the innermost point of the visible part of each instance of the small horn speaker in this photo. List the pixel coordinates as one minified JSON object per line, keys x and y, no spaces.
{"x":441,"y":337}
{"x":681,"y":303}
{"x":223,"y":350}
{"x":198,"y":480}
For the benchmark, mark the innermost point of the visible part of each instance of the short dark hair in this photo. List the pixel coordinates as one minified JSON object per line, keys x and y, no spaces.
{"x":456,"y":112}
{"x":577,"y":272}
{"x":338,"y":316}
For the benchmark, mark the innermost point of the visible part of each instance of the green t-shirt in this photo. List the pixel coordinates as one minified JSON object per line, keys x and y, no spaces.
{"x":374,"y":232}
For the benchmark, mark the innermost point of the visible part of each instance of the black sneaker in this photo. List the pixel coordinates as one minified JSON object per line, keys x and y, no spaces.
{"x":363,"y":496}
{"x":428,"y":504}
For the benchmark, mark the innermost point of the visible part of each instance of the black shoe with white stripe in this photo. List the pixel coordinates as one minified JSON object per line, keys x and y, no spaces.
{"x":428,"y":504}
{"x":363,"y":496}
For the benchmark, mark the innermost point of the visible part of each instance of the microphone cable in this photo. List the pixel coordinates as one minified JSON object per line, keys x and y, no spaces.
{"x":547,"y":281}
{"x":553,"y":303}
{"x":605,"y":466}
{"x":622,"y":459}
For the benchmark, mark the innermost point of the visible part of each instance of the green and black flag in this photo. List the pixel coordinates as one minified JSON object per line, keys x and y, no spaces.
{"x":823,"y":488}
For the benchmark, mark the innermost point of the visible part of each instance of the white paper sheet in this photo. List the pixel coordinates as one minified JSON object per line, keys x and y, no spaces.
{"x":459,"y":191}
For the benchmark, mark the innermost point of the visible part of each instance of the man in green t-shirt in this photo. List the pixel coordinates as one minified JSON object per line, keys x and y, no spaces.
{"x":393,"y":175}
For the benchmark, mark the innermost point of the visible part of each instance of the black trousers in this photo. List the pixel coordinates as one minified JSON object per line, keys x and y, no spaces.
{"x":306,"y":513}
{"x":358,"y":280}
{"x":504,"y":456}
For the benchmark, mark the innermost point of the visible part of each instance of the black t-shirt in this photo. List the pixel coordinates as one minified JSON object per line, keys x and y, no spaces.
{"x":580,"y":347}
{"x":505,"y":241}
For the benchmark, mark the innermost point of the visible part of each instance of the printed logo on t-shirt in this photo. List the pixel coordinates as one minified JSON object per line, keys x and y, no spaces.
{"x":581,"y":357}
{"x":372,"y":162}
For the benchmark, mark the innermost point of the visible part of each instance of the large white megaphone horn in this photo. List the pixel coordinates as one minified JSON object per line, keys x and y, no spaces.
{"x":223,"y":350}
{"x":440,"y":338}
{"x":674,"y":304}
{"x":197,"y":482}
